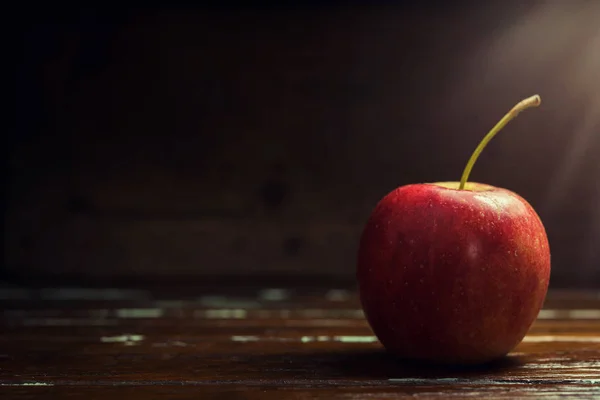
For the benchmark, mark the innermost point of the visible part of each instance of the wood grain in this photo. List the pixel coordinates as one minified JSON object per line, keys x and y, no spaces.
{"x":268,"y":343}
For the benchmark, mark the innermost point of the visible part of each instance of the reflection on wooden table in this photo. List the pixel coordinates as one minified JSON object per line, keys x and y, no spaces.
{"x":267,"y":343}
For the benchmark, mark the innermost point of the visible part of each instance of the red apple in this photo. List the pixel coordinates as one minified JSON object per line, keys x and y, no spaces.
{"x":453,"y":272}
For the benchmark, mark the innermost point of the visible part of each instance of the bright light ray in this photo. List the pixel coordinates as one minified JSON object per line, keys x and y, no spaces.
{"x":555,"y":45}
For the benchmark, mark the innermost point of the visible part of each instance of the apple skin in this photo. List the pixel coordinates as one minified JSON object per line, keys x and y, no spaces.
{"x":450,"y":276}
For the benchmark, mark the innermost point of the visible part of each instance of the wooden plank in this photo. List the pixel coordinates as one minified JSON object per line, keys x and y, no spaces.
{"x":264,"y":343}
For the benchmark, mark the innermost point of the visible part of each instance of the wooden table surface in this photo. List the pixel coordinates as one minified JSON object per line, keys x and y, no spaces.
{"x":256,"y":342}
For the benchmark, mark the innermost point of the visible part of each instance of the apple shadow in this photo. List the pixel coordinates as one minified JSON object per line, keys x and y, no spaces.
{"x":379,"y":364}
{"x":374,"y":364}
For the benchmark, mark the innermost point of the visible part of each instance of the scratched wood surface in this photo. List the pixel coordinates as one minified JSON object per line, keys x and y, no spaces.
{"x":252,"y":342}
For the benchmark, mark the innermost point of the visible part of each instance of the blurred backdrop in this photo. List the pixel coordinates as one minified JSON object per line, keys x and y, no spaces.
{"x":187,"y":142}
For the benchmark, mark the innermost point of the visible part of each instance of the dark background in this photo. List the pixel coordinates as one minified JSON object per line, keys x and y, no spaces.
{"x":167,"y":143}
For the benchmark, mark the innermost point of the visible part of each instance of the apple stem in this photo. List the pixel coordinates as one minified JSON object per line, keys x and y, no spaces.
{"x":532,"y":101}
